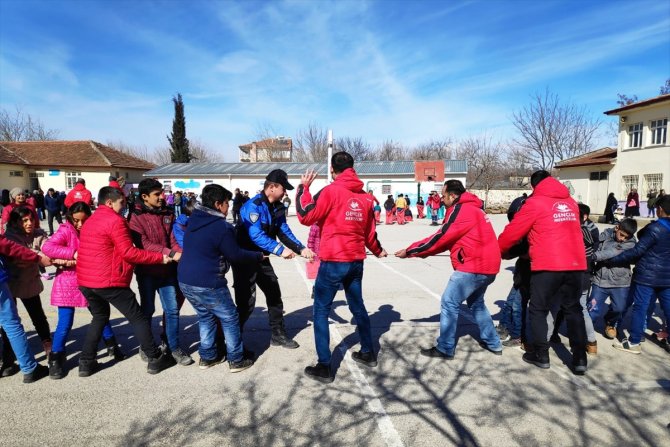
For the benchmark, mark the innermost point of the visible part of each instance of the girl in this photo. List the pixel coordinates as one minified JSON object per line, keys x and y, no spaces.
{"x":24,"y":280}
{"x":65,"y":294}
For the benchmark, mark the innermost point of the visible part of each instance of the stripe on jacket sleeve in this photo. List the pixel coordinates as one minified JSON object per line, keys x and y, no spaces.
{"x":310,"y":206}
{"x":433,"y":240}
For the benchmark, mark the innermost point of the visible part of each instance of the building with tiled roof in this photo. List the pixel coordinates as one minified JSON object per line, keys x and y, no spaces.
{"x":279,"y":149}
{"x":58,"y":164}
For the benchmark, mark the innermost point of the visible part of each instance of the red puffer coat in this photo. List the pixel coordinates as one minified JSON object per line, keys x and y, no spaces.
{"x":467,"y":233}
{"x":550,"y":219}
{"x":106,"y":253}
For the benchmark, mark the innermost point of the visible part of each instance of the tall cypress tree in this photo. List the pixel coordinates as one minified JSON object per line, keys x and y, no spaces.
{"x":179,"y":150}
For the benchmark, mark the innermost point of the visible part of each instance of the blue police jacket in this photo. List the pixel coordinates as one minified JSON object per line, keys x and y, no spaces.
{"x":262,"y":223}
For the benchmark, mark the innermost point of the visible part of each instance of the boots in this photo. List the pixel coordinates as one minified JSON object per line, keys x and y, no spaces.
{"x":114,"y":350}
{"x":56,"y":361}
{"x":279,"y":338}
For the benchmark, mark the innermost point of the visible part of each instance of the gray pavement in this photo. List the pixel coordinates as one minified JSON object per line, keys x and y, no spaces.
{"x":478,"y":399}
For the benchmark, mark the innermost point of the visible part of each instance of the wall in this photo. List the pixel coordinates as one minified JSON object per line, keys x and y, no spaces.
{"x":7,"y":182}
{"x":499,"y":198}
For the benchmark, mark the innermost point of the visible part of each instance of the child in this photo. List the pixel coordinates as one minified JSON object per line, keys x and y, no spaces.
{"x":389,"y":206}
{"x":179,"y":227}
{"x":24,"y":280}
{"x":612,"y":282}
{"x":65,"y":293}
{"x":313,"y":243}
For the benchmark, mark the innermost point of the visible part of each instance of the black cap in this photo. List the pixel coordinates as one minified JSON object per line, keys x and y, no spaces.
{"x":280,"y":177}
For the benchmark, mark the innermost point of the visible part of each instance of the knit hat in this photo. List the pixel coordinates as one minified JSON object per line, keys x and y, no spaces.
{"x":15,"y":192}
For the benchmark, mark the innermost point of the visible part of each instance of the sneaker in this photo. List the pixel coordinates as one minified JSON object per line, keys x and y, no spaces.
{"x":281,"y":339}
{"x":240,"y":365}
{"x":503,"y":333}
{"x":366,"y":358}
{"x":534,"y":359}
{"x":436,"y":353}
{"x":56,"y":360}
{"x":39,"y":372}
{"x":87,"y":367}
{"x":555,"y":338}
{"x":492,"y":351}
{"x":592,"y":347}
{"x":8,"y":369}
{"x":626,"y":346}
{"x":319,"y":372}
{"x":579,"y":366}
{"x":610,"y":332}
{"x":206,"y":364}
{"x":182,"y":358}
{"x":163,"y":362}
{"x":512,"y":343}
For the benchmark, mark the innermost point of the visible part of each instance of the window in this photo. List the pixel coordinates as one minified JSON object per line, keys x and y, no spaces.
{"x":598,"y":175}
{"x":653,"y":182}
{"x":386,"y":189}
{"x":659,"y":131}
{"x":71,"y":179}
{"x":628,"y":182}
{"x":16,"y":173}
{"x":635,"y":135}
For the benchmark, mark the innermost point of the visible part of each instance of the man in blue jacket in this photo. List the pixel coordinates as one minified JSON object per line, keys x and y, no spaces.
{"x":263,"y":220}
{"x":651,"y":276}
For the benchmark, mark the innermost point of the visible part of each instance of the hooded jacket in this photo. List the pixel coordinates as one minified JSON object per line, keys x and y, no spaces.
{"x":78,"y":194}
{"x":609,"y":247}
{"x":468,"y":234}
{"x":550,"y":218}
{"x":151,"y":229}
{"x":344,"y":213}
{"x":210,"y":247}
{"x":63,"y":245}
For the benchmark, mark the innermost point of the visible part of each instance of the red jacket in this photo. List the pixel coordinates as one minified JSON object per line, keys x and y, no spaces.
{"x":434,"y":201}
{"x":550,"y":220}
{"x":78,"y":194}
{"x":152,"y":230}
{"x":343,"y":212}
{"x":468,"y":234}
{"x":106,"y":253}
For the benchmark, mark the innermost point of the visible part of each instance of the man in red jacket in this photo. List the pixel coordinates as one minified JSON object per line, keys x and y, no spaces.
{"x":550,"y":220}
{"x":79,"y":194}
{"x":344,"y":213}
{"x":467,"y":233}
{"x":104,"y":269}
{"x":151,"y":229}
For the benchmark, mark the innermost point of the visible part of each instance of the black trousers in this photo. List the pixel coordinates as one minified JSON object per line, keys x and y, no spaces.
{"x":37,"y":316}
{"x":50,"y":219}
{"x":245,"y":279}
{"x":123,"y":299}
{"x":548,"y":289}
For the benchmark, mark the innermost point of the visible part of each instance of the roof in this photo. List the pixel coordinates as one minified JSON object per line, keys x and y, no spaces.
{"x":377,"y":168}
{"x":89,"y":154}
{"x":269,"y":143}
{"x":635,"y":105}
{"x":603,"y":156}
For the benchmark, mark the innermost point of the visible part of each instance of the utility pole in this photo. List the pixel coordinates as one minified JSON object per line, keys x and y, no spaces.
{"x":330,"y":154}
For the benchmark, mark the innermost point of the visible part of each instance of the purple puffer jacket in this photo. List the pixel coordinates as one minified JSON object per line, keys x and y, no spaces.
{"x":63,"y":245}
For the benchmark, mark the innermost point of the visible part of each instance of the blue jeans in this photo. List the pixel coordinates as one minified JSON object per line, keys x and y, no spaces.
{"x":167,"y":291}
{"x":11,"y":323}
{"x":331,"y":275}
{"x":211,"y":304}
{"x":641,"y":296}
{"x":65,"y":321}
{"x":510,"y":314}
{"x":468,"y":287}
{"x":617,"y":308}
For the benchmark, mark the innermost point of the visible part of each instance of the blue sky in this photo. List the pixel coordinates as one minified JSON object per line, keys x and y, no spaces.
{"x":403,"y":70}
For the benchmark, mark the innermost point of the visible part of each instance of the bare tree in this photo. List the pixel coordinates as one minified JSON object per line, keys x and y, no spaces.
{"x":484,"y":158}
{"x":356,"y":147}
{"x":390,"y":150}
{"x":665,"y":88}
{"x":201,"y":153}
{"x":141,"y":152}
{"x":625,"y":100}
{"x":432,"y":150}
{"x":311,"y":144}
{"x":21,"y":126}
{"x":549,"y":131}
{"x":265,"y":130}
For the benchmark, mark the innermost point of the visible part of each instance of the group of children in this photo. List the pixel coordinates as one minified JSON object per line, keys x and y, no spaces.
{"x":398,"y":210}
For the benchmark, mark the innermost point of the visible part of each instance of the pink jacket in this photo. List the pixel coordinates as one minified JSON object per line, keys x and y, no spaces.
{"x":63,"y":245}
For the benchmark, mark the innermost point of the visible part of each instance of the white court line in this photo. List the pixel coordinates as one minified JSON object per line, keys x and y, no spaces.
{"x":388,"y":431}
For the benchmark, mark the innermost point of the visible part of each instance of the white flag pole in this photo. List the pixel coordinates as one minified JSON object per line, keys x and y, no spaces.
{"x":330,"y":153}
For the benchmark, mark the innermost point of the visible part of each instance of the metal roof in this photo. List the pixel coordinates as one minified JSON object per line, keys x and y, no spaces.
{"x":364,"y":168}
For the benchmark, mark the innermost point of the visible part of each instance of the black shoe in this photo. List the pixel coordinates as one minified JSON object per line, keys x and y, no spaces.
{"x":579,"y":366}
{"x":366,"y":358}
{"x":320,"y":372}
{"x":206,"y":364}
{"x":37,"y":373}
{"x":56,"y":360}
{"x":534,"y":359}
{"x":182,"y":358}
{"x":281,"y":339}
{"x":8,"y":369}
{"x":114,"y":350}
{"x":436,"y":353}
{"x":87,"y":367}
{"x":485,"y":346}
{"x":555,"y":338}
{"x":163,"y":362}
{"x":240,"y":365}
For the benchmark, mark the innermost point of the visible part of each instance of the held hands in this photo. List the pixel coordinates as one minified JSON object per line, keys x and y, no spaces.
{"x":308,"y":177}
{"x":287,"y":253}
{"x":176,"y":257}
{"x":308,"y":254}
{"x":402,"y":254}
{"x":45,"y":261}
{"x":383,"y":254}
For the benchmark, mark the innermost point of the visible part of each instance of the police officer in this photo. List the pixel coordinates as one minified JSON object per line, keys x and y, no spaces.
{"x":263,"y":221}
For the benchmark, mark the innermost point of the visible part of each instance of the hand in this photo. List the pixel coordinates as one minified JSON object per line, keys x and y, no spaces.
{"x":176,"y":257}
{"x":308,"y":254}
{"x":402,"y":254}
{"x":287,"y":253}
{"x":45,"y":261}
{"x":166,"y":259}
{"x":308,"y":177}
{"x":383,"y":254}
{"x":76,"y":253}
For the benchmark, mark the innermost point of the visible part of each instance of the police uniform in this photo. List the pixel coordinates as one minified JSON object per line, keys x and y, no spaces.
{"x":261,"y":223}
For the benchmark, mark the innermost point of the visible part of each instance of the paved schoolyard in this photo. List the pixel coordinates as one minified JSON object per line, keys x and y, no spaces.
{"x":478,"y":399}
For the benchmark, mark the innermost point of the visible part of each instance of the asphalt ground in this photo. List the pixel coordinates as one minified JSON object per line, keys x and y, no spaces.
{"x":477,"y":399}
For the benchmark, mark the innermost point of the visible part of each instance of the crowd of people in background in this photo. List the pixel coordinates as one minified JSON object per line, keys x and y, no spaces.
{"x":180,"y":246}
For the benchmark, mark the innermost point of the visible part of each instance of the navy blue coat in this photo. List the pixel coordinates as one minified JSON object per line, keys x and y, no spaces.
{"x":51,"y":203}
{"x":651,"y":255}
